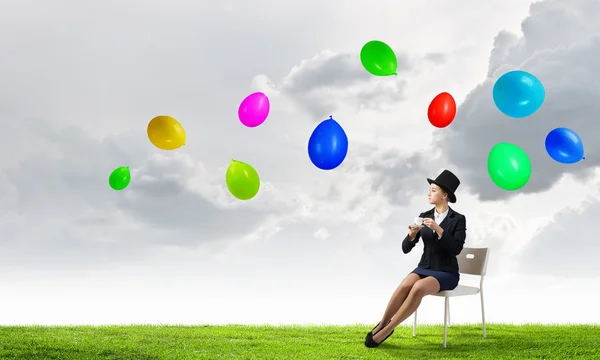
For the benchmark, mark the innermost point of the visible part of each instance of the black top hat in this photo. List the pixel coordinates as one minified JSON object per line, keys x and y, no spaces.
{"x":447,"y":181}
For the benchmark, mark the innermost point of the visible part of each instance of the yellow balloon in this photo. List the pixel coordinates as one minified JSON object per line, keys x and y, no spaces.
{"x":166,"y":133}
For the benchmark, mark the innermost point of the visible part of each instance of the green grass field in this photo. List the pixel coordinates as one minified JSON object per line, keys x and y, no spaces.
{"x":296,"y":342}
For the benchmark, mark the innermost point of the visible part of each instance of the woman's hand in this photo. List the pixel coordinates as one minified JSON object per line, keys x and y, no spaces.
{"x":430,"y":223}
{"x":413,"y":230}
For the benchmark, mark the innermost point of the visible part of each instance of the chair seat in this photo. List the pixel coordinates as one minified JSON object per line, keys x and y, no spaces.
{"x":460,"y":290}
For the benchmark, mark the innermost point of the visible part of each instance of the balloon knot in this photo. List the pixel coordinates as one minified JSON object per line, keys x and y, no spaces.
{"x":395,"y":74}
{"x":330,"y":117}
{"x":583,"y":158}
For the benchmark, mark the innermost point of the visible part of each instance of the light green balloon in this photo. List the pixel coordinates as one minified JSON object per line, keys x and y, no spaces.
{"x":242,"y":180}
{"x":120,"y":177}
{"x":509,"y":166}
{"x":378,"y":58}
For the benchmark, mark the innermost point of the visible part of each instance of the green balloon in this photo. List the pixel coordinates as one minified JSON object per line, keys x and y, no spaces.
{"x":120,"y":177}
{"x":378,"y":58}
{"x":242,"y":180}
{"x":509,"y":166}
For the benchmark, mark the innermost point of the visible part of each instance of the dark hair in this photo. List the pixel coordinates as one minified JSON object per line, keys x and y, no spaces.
{"x":444,"y":192}
{"x":441,"y":188}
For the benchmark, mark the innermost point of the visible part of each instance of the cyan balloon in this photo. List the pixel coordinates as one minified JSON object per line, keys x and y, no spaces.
{"x":328,"y":145}
{"x":518,"y":94}
{"x":564,"y":146}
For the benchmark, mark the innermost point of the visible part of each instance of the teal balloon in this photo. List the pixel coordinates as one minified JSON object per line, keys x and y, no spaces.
{"x":518,"y":94}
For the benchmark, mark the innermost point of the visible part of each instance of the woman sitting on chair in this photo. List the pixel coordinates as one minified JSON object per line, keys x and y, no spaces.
{"x":443,"y":231}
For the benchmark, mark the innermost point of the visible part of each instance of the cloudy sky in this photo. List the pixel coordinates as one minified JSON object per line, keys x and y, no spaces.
{"x":81,"y":80}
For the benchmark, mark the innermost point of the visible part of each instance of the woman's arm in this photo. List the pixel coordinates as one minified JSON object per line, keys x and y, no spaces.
{"x":408,"y":244}
{"x":454,"y":243}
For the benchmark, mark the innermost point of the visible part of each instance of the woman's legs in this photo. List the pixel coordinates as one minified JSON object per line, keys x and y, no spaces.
{"x":397,"y":299}
{"x":420,"y":289}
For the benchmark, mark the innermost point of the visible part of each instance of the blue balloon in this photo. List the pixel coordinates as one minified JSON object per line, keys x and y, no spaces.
{"x":328,"y":145}
{"x":518,"y":94}
{"x":564,"y":145}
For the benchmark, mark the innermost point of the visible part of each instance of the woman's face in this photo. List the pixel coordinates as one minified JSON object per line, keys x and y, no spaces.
{"x":436,"y":195}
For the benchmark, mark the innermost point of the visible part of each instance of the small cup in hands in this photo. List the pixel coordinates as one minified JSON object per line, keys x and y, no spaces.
{"x":415,"y":228}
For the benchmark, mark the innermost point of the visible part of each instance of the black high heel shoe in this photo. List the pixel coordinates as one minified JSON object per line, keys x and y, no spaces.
{"x":370,"y":333}
{"x":370,"y":343}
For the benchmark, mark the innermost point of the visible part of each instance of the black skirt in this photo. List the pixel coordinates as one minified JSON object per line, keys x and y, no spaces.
{"x":447,"y":280}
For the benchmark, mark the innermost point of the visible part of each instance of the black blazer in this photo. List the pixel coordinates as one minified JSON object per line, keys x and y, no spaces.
{"x":440,"y":254}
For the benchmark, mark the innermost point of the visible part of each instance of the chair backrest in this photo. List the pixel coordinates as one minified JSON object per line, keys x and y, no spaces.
{"x":473,"y":261}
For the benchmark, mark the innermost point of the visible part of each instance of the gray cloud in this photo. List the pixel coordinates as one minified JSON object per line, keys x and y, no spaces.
{"x":61,"y":212}
{"x":436,"y":58}
{"x":561,"y":46}
{"x":567,"y":247}
{"x":400,"y":179}
{"x":326,"y":82}
{"x":165,"y":201}
{"x":504,"y":43}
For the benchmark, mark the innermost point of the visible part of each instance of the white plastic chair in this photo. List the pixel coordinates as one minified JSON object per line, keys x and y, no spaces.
{"x":472,"y":261}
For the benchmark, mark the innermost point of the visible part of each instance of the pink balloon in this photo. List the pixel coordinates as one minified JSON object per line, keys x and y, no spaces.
{"x":254,"y":109}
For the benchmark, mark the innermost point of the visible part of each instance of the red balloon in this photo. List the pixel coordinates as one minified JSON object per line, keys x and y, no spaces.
{"x":442,"y":110}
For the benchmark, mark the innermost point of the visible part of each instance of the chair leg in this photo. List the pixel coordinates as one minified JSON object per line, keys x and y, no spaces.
{"x":482,"y":313}
{"x":448,"y":312}
{"x":445,"y":319}
{"x":415,"y":324}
